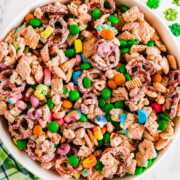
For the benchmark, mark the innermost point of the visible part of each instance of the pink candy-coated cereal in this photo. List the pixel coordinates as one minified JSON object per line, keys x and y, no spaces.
{"x":60,"y":121}
{"x":15,"y":98}
{"x":64,"y":149}
{"x":34,"y":114}
{"x":47,"y":77}
{"x":71,"y":117}
{"x":34,"y":101}
{"x":21,"y":105}
{"x":78,"y":59}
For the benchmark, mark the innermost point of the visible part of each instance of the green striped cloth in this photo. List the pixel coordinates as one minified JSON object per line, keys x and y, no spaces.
{"x":10,"y":169}
{"x":169,"y":11}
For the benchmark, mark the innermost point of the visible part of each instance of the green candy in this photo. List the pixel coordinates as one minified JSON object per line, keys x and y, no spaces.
{"x":123,"y":8}
{"x":74,"y":95}
{"x":132,"y":42}
{"x":101,"y":103}
{"x":29,"y":105}
{"x":164,"y":116}
{"x":162,"y":125}
{"x":85,"y":66}
{"x":73,"y":160}
{"x":96,"y":13}
{"x":106,"y":93}
{"x":50,"y":103}
{"x":87,"y":83}
{"x":150,"y":162}
{"x":151,"y":43}
{"x":99,"y":165}
{"x":83,"y":118}
{"x":125,"y":50}
{"x":33,"y":86}
{"x":123,"y":43}
{"x":100,"y":144}
{"x":113,"y":19}
{"x":116,"y":125}
{"x":21,"y":144}
{"x":139,"y":171}
{"x":108,"y":107}
{"x":106,"y":138}
{"x":65,"y":90}
{"x":70,"y":52}
{"x":122,"y":69}
{"x":128,"y":77}
{"x":53,"y":127}
{"x":74,"y":29}
{"x":119,"y":104}
{"x":108,"y":117}
{"x":35,"y":22}
{"x":107,"y":5}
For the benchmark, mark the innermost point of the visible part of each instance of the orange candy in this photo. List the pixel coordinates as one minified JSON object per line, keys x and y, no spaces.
{"x":104,"y":129}
{"x":107,"y":34}
{"x":67,"y":104}
{"x":89,"y":162}
{"x":119,"y":79}
{"x":112,"y":84}
{"x":37,"y":131}
{"x":157,"y":77}
{"x":28,"y":17}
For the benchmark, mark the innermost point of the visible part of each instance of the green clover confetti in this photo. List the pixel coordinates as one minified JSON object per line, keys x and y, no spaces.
{"x":170,"y":14}
{"x":153,"y":4}
{"x":175,"y":29}
{"x":177,"y":2}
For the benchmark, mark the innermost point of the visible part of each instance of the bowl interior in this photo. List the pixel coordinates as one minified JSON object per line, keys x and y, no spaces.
{"x":4,"y":135}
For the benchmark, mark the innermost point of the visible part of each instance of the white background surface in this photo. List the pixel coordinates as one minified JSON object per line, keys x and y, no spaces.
{"x":169,"y":168}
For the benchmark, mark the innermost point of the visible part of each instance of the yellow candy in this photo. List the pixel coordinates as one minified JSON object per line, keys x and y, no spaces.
{"x":47,"y":32}
{"x":76,"y":175}
{"x":89,"y":162}
{"x":98,"y":133}
{"x":78,"y":45}
{"x":41,"y":91}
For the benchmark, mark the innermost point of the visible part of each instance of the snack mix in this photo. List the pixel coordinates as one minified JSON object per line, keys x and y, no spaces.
{"x":88,"y":89}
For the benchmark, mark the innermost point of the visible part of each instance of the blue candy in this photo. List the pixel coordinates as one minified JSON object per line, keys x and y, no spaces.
{"x":142,"y":116}
{"x":75,"y":76}
{"x":101,"y":120}
{"x":122,"y":118}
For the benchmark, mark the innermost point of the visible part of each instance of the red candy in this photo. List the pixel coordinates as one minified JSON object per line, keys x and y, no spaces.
{"x":156,"y":107}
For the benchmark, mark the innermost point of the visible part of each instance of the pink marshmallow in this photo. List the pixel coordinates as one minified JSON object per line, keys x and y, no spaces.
{"x":47,"y":77}
{"x":34,"y":101}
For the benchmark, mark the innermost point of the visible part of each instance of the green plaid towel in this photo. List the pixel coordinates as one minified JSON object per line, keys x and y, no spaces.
{"x":169,"y":11}
{"x":10,"y":169}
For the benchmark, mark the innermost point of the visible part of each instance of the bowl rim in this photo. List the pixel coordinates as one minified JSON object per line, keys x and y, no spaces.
{"x":15,"y":152}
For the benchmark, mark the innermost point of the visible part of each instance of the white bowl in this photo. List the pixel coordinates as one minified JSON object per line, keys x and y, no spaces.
{"x":22,"y":157}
